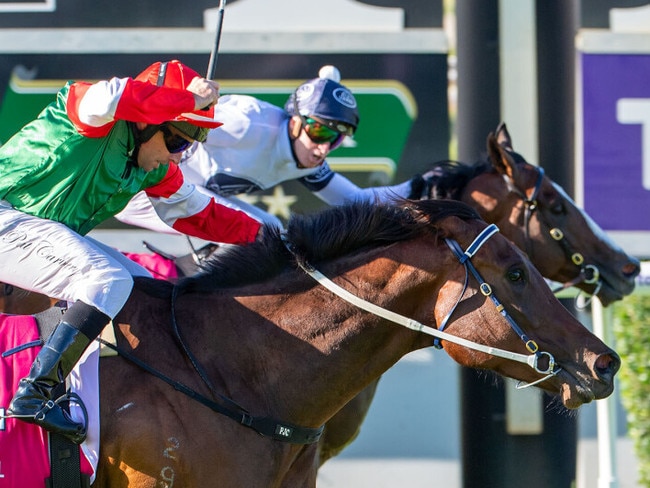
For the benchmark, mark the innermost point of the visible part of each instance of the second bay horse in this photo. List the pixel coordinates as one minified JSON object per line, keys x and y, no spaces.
{"x":538,"y":215}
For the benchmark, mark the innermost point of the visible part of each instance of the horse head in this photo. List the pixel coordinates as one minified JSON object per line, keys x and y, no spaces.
{"x":519,"y":314}
{"x":534,"y":212}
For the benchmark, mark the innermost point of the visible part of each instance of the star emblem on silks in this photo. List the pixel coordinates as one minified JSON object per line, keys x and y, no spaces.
{"x":279,"y":203}
{"x":250,"y":199}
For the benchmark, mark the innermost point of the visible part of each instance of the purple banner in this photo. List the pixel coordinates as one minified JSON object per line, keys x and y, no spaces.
{"x":616,"y":113}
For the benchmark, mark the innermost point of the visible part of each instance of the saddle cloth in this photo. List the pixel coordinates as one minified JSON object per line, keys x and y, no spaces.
{"x":159,"y":266}
{"x":24,"y":453}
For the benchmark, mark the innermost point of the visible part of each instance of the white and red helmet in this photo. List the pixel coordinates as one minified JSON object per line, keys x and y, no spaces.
{"x":174,"y":74}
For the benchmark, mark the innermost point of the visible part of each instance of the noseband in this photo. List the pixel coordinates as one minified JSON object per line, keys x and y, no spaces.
{"x":588,"y":273}
{"x":464,"y":258}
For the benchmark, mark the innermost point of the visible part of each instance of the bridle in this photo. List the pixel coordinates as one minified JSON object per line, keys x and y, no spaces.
{"x":464,"y":258}
{"x":588,"y":273}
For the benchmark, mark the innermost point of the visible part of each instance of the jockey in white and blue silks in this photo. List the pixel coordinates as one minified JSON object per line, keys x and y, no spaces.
{"x":79,"y":163}
{"x":261,"y":145}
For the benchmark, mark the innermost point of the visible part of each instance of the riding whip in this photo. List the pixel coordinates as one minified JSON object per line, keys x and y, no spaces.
{"x":212,"y":65}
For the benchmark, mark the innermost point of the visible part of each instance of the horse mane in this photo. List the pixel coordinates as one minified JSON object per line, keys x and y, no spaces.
{"x":324,"y":235}
{"x":451,"y":177}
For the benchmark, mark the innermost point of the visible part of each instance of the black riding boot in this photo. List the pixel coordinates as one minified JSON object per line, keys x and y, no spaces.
{"x":33,"y":400}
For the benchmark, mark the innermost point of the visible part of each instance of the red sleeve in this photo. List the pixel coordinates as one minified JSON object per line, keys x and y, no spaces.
{"x":201,"y":217}
{"x":218,"y":223}
{"x":170,"y":183}
{"x":124,"y":99}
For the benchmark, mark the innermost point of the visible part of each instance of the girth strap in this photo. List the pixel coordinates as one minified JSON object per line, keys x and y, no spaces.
{"x":65,"y":465}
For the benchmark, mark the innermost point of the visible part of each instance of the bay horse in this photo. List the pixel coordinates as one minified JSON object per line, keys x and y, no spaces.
{"x":283,"y":332}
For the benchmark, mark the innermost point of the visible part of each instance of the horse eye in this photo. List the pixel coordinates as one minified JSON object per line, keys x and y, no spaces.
{"x":557,"y":208}
{"x":515,"y":275}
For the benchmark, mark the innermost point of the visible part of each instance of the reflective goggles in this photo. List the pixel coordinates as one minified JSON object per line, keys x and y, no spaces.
{"x":320,"y":133}
{"x":174,"y":143}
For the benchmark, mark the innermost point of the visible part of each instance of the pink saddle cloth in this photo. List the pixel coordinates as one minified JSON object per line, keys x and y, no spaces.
{"x":160,"y":267}
{"x":24,"y":450}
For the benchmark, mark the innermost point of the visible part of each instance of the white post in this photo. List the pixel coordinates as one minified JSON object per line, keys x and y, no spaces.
{"x":605,"y":409}
{"x":518,"y":74}
{"x":518,"y":90}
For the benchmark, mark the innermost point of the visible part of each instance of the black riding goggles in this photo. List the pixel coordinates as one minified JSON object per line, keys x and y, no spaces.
{"x":321,"y":131}
{"x":174,"y":143}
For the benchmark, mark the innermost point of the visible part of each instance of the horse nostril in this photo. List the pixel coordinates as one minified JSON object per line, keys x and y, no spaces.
{"x":632,"y":269}
{"x":607,"y":365}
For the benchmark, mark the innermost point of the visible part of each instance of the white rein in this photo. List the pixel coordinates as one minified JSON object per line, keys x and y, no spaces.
{"x":531,"y":359}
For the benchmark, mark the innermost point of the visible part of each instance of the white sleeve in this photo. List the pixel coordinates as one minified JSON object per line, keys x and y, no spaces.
{"x":99,"y":103}
{"x":140,"y":212}
{"x":185,"y":202}
{"x":340,"y":189}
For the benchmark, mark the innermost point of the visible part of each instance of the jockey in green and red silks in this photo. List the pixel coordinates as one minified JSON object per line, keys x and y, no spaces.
{"x":78,"y":164}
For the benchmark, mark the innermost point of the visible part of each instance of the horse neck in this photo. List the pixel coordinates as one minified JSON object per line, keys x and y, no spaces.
{"x":301,"y":352}
{"x":347,"y":347}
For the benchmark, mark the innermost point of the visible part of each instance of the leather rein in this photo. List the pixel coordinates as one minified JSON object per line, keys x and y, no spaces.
{"x":265,"y":426}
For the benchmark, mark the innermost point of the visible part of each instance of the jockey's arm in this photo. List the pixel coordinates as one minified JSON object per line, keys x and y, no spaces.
{"x":93,"y":108}
{"x":181,"y":206}
{"x":339,"y":189}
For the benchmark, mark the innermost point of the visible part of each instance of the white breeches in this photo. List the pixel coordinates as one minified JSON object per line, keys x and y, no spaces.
{"x":47,"y":257}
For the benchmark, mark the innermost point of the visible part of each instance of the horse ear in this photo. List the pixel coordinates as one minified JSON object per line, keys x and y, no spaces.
{"x":503,"y":136}
{"x":501,"y":160}
{"x":450,"y":227}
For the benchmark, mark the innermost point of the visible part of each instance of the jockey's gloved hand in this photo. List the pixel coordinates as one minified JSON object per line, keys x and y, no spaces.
{"x":422,"y":184}
{"x":418,"y":186}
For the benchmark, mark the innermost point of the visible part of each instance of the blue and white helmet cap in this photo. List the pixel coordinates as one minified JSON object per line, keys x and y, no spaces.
{"x":325,"y":98}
